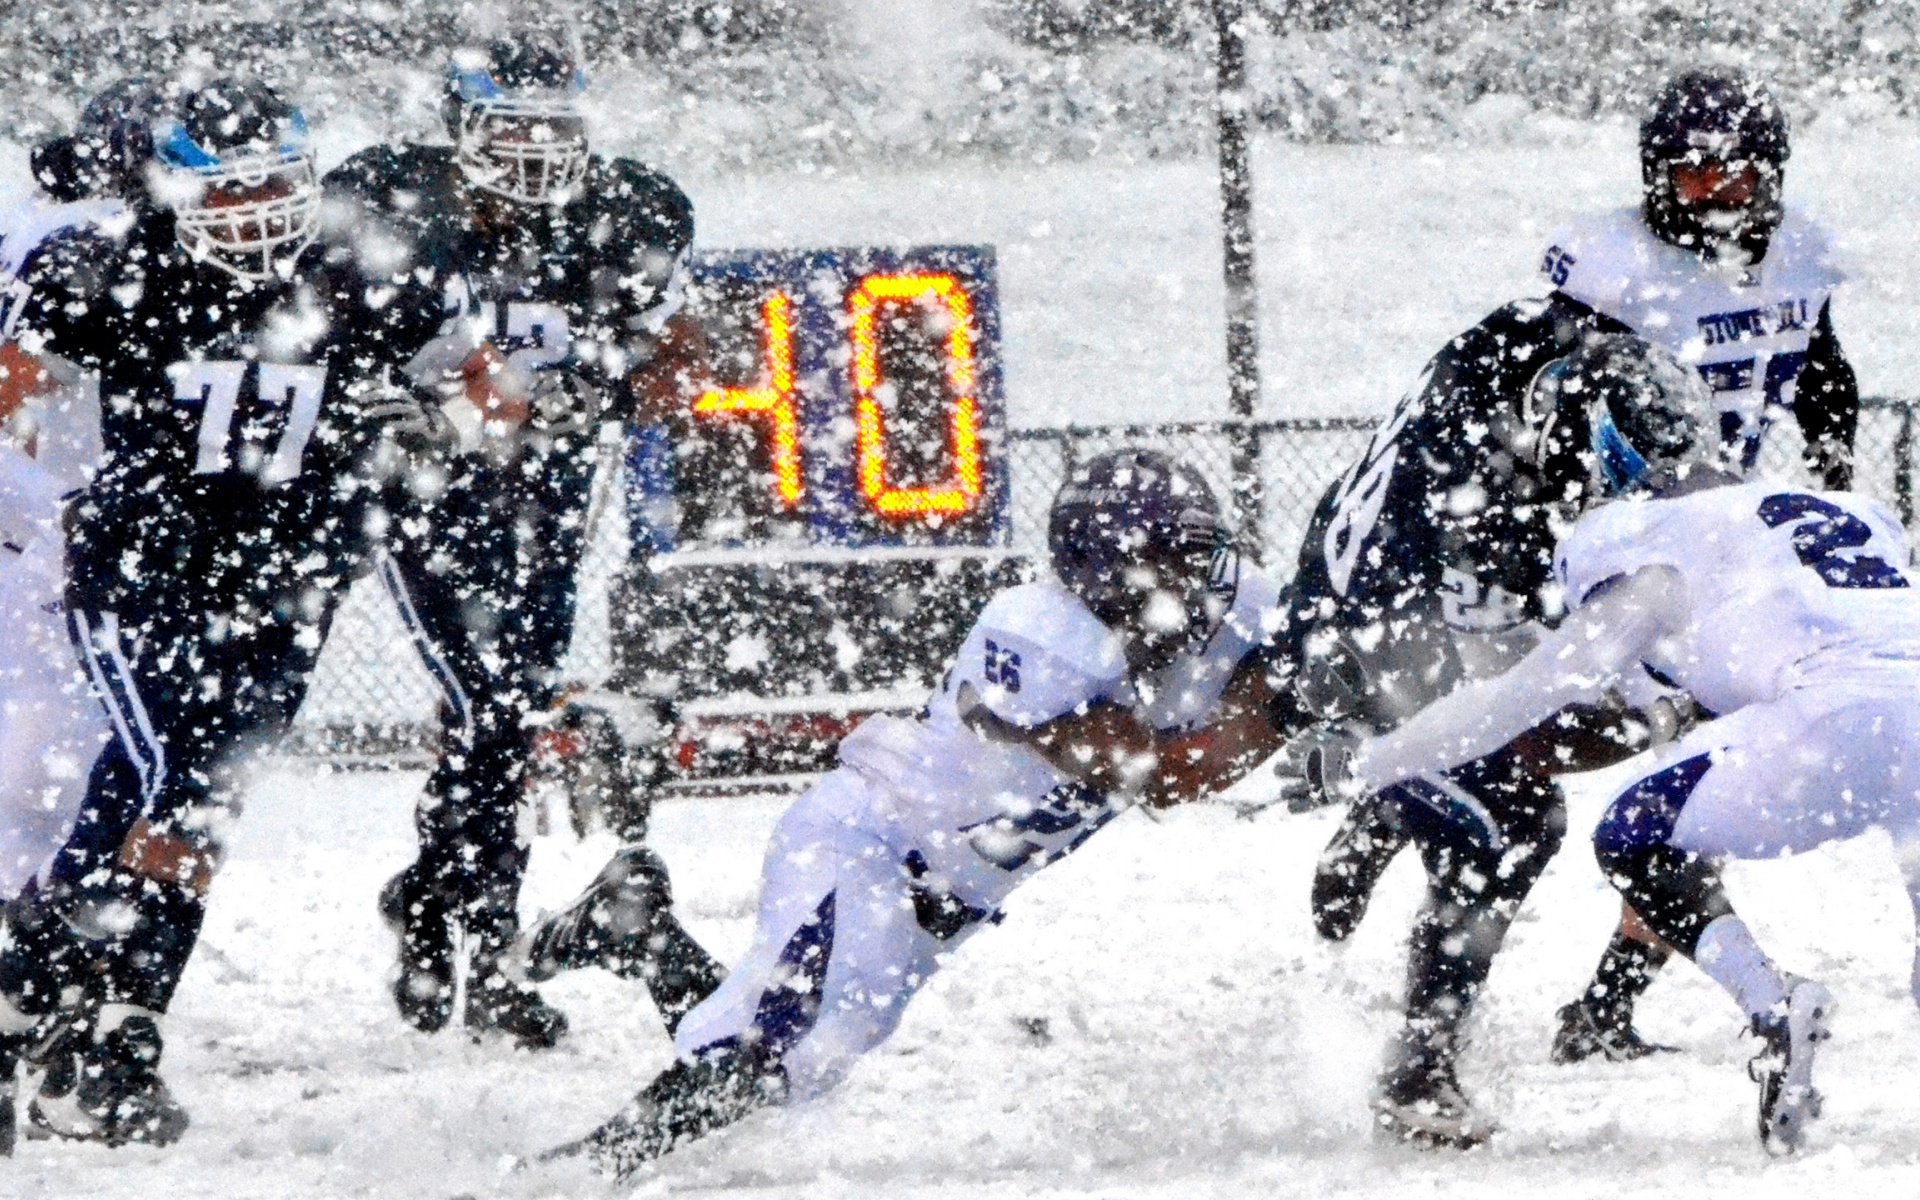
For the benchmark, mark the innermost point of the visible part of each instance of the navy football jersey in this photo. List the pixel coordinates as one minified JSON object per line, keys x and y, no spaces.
{"x":234,"y":413}
{"x":572,"y":293}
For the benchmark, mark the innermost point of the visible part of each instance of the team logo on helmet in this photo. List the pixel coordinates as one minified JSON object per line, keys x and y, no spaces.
{"x":240,"y":179}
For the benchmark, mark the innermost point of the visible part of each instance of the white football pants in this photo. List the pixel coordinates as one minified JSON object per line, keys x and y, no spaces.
{"x":51,"y":726}
{"x":837,"y":952}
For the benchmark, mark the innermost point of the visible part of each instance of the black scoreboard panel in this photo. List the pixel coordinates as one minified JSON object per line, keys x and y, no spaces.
{"x":829,"y":516}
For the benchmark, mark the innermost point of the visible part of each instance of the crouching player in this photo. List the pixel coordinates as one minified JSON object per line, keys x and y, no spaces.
{"x":1788,"y":613}
{"x":1131,"y":679}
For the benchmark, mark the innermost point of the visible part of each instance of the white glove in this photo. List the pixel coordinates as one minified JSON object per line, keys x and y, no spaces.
{"x":1316,"y":768}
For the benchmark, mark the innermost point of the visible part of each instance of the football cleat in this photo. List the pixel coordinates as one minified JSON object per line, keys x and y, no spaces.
{"x":1784,"y":1066}
{"x":687,"y":1101}
{"x":1583,"y":1035}
{"x":1422,"y":1103}
{"x":1351,"y":866}
{"x":609,"y":925}
{"x":116,"y":1095}
{"x":496,"y":1004}
{"x":418,"y":917}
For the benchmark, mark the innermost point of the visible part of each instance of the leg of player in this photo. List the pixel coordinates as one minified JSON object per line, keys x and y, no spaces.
{"x":843,"y":942}
{"x":1486,"y":832}
{"x":1362,"y":848}
{"x":1774,"y":778}
{"x":1600,"y":1022}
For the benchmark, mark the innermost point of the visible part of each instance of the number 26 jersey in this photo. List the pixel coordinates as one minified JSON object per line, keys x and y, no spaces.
{"x":1783,"y":587}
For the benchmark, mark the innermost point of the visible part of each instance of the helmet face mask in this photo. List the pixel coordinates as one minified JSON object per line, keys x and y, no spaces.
{"x":515,"y":120}
{"x":240,"y":180}
{"x":1139,"y":538}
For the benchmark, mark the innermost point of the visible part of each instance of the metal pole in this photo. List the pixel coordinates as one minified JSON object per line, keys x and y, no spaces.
{"x":1903,"y":466}
{"x":1236,"y":209}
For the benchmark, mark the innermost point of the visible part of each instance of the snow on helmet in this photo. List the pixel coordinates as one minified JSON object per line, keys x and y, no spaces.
{"x":513,"y":112}
{"x":1721,"y":118}
{"x":1139,"y":538}
{"x":1646,"y":417}
{"x":240,"y":179}
{"x":111,"y":145}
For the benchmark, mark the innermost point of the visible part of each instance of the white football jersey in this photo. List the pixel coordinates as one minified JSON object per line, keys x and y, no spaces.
{"x":1745,"y":329}
{"x":52,"y":445}
{"x":985,"y":815}
{"x":1783,"y":587}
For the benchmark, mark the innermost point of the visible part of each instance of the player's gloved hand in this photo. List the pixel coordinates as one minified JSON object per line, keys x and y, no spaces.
{"x":1316,"y":768}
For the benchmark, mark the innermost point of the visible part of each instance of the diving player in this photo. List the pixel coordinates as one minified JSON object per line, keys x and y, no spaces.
{"x":1787,"y":613}
{"x":1713,"y":267}
{"x":248,"y":366}
{"x":1070,"y":700}
{"x":576,"y":261}
{"x":51,"y":727}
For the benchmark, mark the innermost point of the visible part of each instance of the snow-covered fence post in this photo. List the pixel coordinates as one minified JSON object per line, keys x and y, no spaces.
{"x":1236,"y":206}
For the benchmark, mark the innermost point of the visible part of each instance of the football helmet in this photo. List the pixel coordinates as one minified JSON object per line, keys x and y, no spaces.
{"x":1140,"y":539}
{"x":513,"y":112}
{"x":237,"y":173}
{"x":1647,"y":419}
{"x":1724,"y":137}
{"x":111,"y":145}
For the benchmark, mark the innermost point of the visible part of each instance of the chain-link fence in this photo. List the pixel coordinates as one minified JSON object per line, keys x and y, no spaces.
{"x":372,"y":698}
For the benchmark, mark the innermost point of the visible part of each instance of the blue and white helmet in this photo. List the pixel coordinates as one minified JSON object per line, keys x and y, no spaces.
{"x":1647,"y":419}
{"x":1138,"y":536}
{"x":237,"y":173}
{"x":513,"y":112}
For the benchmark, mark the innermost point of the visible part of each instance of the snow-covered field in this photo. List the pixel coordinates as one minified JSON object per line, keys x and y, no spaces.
{"x":1199,"y":1042}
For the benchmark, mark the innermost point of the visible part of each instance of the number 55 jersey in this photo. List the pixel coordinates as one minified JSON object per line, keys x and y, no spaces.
{"x":233,"y":411}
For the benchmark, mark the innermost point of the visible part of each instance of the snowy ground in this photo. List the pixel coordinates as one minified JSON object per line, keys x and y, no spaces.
{"x":1200,"y":1043}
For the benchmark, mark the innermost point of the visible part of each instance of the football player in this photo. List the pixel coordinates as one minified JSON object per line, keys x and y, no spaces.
{"x":51,"y":727}
{"x":1429,"y":561}
{"x":576,"y":260}
{"x":1789,"y":614}
{"x":1128,"y":678}
{"x":247,"y":364}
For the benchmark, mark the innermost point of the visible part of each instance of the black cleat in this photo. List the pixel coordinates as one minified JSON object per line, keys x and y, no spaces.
{"x":1422,"y":1103}
{"x":495,"y":1004}
{"x":1784,"y":1066}
{"x":686,"y":1101}
{"x":1583,"y":1035}
{"x":1351,"y":866}
{"x":116,"y":1095}
{"x":610,"y":924}
{"x":418,"y":916}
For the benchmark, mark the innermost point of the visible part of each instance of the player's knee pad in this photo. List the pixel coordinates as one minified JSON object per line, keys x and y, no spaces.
{"x":1676,"y":892}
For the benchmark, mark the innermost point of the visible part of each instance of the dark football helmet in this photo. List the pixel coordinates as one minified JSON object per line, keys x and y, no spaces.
{"x":110,"y":148}
{"x":1139,"y":537}
{"x":513,"y":112}
{"x":238,"y":175}
{"x":1731,"y":133}
{"x":1645,"y":418}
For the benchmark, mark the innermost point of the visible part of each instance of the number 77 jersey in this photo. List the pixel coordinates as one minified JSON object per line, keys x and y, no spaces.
{"x":1783,"y":587}
{"x":231,"y":409}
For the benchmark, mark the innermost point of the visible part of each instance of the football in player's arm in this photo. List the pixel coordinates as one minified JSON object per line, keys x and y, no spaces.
{"x":575,"y":260}
{"x":251,"y":368}
{"x":1070,"y":700}
{"x":1788,"y":614}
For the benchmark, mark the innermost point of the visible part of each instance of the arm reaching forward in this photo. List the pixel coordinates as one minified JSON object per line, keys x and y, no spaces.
{"x":1607,"y":637}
